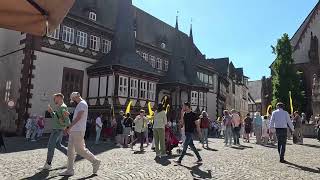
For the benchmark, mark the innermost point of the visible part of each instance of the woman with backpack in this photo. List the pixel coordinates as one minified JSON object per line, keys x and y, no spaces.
{"x":204,"y":126}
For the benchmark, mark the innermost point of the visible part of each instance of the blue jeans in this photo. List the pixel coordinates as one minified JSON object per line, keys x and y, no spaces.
{"x":98,"y":132}
{"x":189,"y":142}
{"x":204,"y":132}
{"x":228,"y":135}
{"x":55,"y":142}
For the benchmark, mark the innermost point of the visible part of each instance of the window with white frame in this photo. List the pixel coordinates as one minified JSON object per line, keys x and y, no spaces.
{"x":211,"y":80}
{"x":82,"y":39}
{"x":94,"y":43}
{"x":194,"y":98}
{"x":205,"y":78}
{"x":152,"y":61}
{"x":67,"y":34}
{"x":145,"y":56}
{"x":138,"y":52}
{"x":143,"y":90}
{"x":159,"y":64}
{"x":200,"y":99}
{"x":92,"y":16}
{"x":8,"y":91}
{"x":204,"y":99}
{"x":106,"y":46}
{"x":134,"y":88}
{"x":166,"y":65}
{"x":123,"y":86}
{"x":152,"y":91}
{"x":55,"y":34}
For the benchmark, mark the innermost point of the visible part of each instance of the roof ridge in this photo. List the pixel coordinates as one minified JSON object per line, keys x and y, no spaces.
{"x":305,"y":24}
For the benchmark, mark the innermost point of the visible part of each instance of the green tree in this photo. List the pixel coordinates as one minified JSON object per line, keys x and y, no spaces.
{"x":285,"y":78}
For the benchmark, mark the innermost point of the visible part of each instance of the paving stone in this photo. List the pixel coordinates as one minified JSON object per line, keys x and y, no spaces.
{"x":25,"y":159}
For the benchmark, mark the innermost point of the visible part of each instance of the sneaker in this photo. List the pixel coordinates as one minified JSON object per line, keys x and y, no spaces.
{"x":46,"y":166}
{"x":96,"y":166}
{"x":119,"y":145}
{"x":33,"y":140}
{"x":67,"y":173}
{"x":177,"y":162}
{"x":163,"y":155}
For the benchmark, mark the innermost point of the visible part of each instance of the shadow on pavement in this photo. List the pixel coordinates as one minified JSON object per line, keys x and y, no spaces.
{"x":241,"y":147}
{"x":210,"y":149}
{"x":40,"y":175}
{"x":269,"y":146}
{"x":304,"y":168}
{"x":197,"y":173}
{"x":88,"y":177}
{"x":311,"y":145}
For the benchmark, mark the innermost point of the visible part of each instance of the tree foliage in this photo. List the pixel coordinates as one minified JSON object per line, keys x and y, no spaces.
{"x":284,"y":76}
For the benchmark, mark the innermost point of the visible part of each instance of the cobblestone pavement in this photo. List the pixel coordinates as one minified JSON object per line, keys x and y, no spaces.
{"x":24,"y":160}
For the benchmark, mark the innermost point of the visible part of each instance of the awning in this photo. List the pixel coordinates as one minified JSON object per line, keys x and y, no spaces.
{"x":37,"y":17}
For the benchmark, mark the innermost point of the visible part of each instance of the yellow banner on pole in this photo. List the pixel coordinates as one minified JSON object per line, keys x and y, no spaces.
{"x":291,"y":104}
{"x":128,"y":109}
{"x":268,"y":109}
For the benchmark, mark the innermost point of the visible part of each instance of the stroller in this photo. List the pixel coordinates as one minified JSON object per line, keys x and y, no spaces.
{"x":171,"y":140}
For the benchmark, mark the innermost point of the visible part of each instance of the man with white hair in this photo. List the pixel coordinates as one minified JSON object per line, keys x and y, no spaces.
{"x":76,"y":131}
{"x":280,"y":120}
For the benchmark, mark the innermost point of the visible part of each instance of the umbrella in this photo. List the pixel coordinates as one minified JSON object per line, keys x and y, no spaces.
{"x":37,"y":17}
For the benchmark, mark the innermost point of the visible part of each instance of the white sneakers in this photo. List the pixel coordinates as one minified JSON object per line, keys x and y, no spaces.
{"x":96,"y":166}
{"x":67,"y":173}
{"x":46,"y":166}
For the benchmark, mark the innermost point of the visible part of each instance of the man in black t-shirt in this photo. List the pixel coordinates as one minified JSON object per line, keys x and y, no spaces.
{"x":190,"y":122}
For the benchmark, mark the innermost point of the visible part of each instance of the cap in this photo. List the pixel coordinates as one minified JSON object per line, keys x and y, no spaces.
{"x":59,"y":94}
{"x":73,"y":95}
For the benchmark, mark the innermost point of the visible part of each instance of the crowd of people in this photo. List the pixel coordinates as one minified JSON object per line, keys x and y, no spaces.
{"x":34,"y":127}
{"x":126,"y":130}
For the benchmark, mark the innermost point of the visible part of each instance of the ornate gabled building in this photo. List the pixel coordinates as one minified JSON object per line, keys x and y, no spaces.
{"x":112,"y":53}
{"x":233,"y":87}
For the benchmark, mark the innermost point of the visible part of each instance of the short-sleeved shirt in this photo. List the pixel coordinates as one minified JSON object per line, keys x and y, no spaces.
{"x":247,"y":122}
{"x":189,"y":121}
{"x":98,"y":122}
{"x":59,"y":113}
{"x":82,"y":123}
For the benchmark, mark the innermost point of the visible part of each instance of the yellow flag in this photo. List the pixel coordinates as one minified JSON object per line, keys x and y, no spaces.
{"x":268,"y":109}
{"x":128,"y":107}
{"x":151,"y":113}
{"x":291,"y":105}
{"x":167,"y":109}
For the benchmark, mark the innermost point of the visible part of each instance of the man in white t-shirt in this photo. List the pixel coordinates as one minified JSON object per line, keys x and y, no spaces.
{"x":98,"y":128}
{"x":76,"y":131}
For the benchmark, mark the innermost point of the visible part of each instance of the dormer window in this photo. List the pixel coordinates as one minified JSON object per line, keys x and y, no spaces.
{"x":163,"y":45}
{"x":92,"y":16}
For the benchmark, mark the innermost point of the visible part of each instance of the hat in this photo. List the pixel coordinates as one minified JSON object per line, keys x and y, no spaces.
{"x":59,"y":95}
{"x":73,"y":95}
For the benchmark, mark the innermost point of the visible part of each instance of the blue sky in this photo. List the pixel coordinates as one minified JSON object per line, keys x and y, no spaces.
{"x":243,"y":30}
